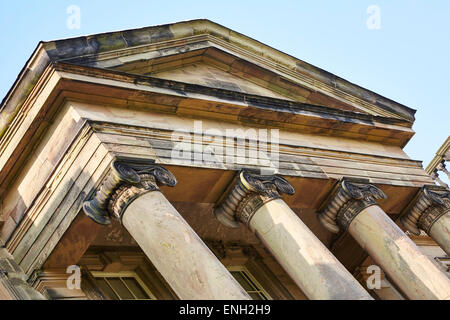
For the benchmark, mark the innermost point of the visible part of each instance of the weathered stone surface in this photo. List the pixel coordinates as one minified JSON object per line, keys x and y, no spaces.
{"x":185,"y":262}
{"x":80,"y":103}
{"x":310,"y":264}
{"x":346,"y":201}
{"x":440,"y":232}
{"x":255,"y":200}
{"x":398,"y":256}
{"x":430,"y":211}
{"x":13,"y":281}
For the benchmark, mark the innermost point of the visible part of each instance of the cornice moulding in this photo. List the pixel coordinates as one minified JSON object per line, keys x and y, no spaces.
{"x":441,"y":155}
{"x":113,"y":42}
{"x":59,"y":80}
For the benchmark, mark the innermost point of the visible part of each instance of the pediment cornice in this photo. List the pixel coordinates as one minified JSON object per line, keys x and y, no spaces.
{"x":117,"y":49}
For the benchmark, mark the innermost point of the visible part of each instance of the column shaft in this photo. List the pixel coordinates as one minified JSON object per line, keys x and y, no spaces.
{"x":440,"y":232}
{"x":304,"y":257}
{"x":130,"y":193}
{"x":177,"y":252}
{"x":398,"y":256}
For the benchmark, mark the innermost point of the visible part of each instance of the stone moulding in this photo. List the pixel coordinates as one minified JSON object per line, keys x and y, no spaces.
{"x":430,"y":204}
{"x":250,"y":192}
{"x":124,"y":183}
{"x":109,"y":47}
{"x":349,"y":197}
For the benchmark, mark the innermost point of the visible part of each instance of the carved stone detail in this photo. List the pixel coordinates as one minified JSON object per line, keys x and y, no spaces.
{"x":441,"y":167}
{"x":348,"y":199}
{"x":124,"y":183}
{"x":431,"y":203}
{"x":250,"y":193}
{"x":435,"y":176}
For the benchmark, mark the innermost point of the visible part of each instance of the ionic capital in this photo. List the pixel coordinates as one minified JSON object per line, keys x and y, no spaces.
{"x":249,"y":193}
{"x":348,"y":198}
{"x":430,"y":204}
{"x":124,"y":183}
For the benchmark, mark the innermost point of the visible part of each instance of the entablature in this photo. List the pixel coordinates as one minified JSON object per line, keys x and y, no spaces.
{"x":63,"y":82}
{"x":63,"y":176}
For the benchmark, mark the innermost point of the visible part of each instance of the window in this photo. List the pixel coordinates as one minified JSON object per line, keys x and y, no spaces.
{"x":249,"y":283}
{"x":122,"y":286}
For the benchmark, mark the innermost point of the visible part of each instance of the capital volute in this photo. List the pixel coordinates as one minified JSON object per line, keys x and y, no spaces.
{"x":430,"y":203}
{"x":248,"y":193}
{"x":349,"y":197}
{"x":124,"y":183}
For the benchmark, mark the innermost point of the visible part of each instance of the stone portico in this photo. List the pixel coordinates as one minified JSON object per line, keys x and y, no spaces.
{"x":188,"y":161}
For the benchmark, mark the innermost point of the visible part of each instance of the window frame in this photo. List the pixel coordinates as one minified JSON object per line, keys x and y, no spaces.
{"x":120,"y":275}
{"x":243,"y":269}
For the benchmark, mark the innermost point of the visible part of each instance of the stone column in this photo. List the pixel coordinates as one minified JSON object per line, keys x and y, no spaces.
{"x":351,"y":206}
{"x":256,"y":202}
{"x":131,"y":194}
{"x":430,"y":212}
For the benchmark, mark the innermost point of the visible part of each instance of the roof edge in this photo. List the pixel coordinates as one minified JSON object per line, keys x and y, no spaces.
{"x":60,"y":50}
{"x":439,"y":156}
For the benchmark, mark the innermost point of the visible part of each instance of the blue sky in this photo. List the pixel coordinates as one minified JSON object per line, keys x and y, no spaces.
{"x":406,"y":60}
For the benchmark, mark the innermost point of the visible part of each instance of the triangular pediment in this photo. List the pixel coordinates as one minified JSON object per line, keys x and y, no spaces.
{"x":210,"y":76}
{"x":215,"y":68}
{"x":204,"y":53}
